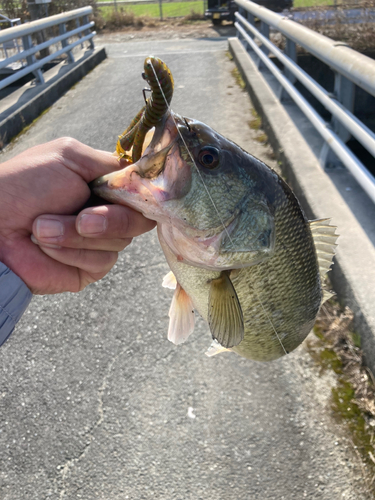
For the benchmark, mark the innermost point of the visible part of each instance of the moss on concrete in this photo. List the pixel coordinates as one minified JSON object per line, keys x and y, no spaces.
{"x":336,"y":347}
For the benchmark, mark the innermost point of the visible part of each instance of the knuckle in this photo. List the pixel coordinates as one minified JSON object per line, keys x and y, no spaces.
{"x":125,"y":222}
{"x":112,"y":259}
{"x":103,"y":262}
{"x":66,"y":144}
{"x":121,"y":222}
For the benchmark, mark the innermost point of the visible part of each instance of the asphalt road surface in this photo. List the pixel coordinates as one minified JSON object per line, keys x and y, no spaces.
{"x":95,"y":403}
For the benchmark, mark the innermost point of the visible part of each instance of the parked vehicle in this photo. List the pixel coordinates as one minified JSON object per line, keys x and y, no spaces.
{"x":224,"y":10}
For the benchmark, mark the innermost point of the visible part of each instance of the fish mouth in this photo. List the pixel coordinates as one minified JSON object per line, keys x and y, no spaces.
{"x":158,"y":176}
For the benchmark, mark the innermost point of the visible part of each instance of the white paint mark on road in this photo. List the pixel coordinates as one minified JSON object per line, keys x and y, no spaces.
{"x":191,"y":412}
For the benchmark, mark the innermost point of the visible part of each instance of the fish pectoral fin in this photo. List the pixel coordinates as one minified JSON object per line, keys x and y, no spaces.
{"x":224,"y":312}
{"x":169,"y":281}
{"x":182,"y":318}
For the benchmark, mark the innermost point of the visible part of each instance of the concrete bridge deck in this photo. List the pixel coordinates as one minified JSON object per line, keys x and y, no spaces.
{"x":95,"y":403}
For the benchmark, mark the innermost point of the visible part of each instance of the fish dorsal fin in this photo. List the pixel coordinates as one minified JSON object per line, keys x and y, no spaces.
{"x":327,"y":295}
{"x":325,"y":244}
{"x":169,"y":281}
{"x":325,"y":238}
{"x":224,"y":312}
{"x":181,"y":314}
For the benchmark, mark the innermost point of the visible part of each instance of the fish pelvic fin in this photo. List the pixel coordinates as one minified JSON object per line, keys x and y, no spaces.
{"x":169,"y":281}
{"x":182,"y":318}
{"x":224,"y":312}
{"x":324,"y":235}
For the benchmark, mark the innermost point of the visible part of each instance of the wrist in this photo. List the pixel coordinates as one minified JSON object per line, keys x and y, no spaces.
{"x":14,"y":299}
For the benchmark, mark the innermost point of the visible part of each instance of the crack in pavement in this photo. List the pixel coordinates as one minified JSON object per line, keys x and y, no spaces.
{"x":90,"y":435}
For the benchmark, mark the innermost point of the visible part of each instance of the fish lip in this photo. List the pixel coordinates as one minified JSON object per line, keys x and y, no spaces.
{"x":98,"y":182}
{"x":168,"y":126}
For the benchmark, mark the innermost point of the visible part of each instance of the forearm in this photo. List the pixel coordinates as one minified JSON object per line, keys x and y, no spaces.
{"x":14,"y":299}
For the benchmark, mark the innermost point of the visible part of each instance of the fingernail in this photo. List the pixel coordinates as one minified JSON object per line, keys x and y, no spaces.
{"x":40,"y":244}
{"x":92,"y":224}
{"x":49,"y":228}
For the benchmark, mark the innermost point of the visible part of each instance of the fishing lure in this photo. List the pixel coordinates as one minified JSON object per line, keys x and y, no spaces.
{"x":155,"y":72}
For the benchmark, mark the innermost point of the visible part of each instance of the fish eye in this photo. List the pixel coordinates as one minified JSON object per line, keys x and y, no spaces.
{"x":209,"y":157}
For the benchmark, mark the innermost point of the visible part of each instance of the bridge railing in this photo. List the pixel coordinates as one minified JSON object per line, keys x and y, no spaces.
{"x":350,"y":68}
{"x":24,"y":32}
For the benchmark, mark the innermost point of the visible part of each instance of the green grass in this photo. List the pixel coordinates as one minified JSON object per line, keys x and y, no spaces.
{"x":170,"y":9}
{"x":181,"y":9}
{"x":313,"y":3}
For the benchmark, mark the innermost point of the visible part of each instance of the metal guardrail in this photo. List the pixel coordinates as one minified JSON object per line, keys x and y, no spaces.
{"x":13,"y":44}
{"x":25,"y":32}
{"x":350,"y":68}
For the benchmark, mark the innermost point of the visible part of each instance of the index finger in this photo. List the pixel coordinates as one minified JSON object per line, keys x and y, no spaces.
{"x":87,"y":162}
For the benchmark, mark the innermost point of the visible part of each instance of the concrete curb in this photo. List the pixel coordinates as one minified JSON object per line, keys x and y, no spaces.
{"x":353,"y":274}
{"x":49,"y":93}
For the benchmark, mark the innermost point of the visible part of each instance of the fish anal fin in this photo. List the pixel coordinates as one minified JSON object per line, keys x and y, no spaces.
{"x":324,"y":235}
{"x":224,"y":312}
{"x":181,"y":314}
{"x":169,"y":281}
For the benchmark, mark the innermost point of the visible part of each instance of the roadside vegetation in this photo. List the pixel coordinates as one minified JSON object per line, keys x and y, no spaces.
{"x":335,"y":346}
{"x":141,"y":16}
{"x":312,"y":3}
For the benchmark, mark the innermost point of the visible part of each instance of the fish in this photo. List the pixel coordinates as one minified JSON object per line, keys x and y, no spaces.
{"x":240,"y":249}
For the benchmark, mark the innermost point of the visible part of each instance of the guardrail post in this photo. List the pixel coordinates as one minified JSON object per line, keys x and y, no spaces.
{"x":251,"y":18}
{"x":65,"y":43}
{"x":85,"y":20}
{"x":328,"y":159}
{"x":291,"y":51}
{"x":28,"y":44}
{"x":265,"y":30}
{"x":78,"y":24}
{"x":242,"y":11}
{"x":344,"y":92}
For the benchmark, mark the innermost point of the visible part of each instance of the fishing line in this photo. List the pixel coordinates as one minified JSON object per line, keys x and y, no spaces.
{"x":213,"y":203}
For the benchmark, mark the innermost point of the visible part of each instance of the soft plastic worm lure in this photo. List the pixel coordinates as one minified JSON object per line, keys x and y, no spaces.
{"x":156,"y":107}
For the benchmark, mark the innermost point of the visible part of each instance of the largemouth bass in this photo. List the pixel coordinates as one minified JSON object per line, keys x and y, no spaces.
{"x":239,"y":246}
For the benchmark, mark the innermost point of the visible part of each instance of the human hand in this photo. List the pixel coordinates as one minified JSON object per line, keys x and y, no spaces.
{"x":66,"y":252}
